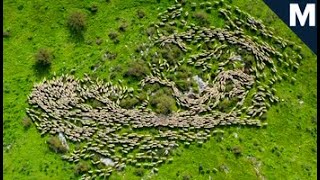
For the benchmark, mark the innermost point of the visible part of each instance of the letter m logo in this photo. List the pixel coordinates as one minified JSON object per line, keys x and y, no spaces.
{"x":309,"y":11}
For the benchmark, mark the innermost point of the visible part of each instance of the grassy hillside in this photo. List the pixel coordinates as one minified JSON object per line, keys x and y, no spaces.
{"x":286,"y":149}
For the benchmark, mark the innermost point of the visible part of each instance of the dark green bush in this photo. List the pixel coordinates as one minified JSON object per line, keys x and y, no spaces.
{"x":227,"y":104}
{"x":123,"y":27}
{"x":94,"y":103}
{"x":142,"y":96}
{"x":44,"y":57}
{"x":93,"y":8}
{"x":56,"y":145}
{"x":81,"y":168}
{"x":201,"y":18}
{"x":193,"y":6}
{"x":166,"y":90}
{"x":237,"y":150}
{"x":163,"y":103}
{"x":200,"y":168}
{"x":169,"y":29}
{"x":129,"y":103}
{"x":229,"y":86}
{"x":183,"y":75}
{"x":137,"y":69}
{"x":152,"y":87}
{"x":183,"y":85}
{"x":109,"y":55}
{"x":140,"y":14}
{"x":77,"y":22}
{"x":171,"y":53}
{"x":214,"y":170}
{"x":113,"y":35}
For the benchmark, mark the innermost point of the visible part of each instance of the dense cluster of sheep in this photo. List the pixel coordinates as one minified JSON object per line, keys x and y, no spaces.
{"x":115,"y":137}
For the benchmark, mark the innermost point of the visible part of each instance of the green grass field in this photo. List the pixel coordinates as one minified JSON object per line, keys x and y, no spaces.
{"x":285,"y":149}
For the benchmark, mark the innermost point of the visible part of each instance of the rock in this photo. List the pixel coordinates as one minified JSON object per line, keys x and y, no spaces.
{"x":107,"y":161}
{"x":63,"y":140}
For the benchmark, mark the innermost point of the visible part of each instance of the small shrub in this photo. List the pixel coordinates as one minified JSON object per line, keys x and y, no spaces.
{"x":200,"y":168}
{"x":140,"y":14}
{"x":93,"y":8}
{"x":44,"y":57}
{"x":208,"y":9}
{"x":163,"y":107}
{"x":109,"y":55}
{"x":56,"y":145}
{"x":193,"y":6}
{"x":142,"y":96}
{"x":20,"y":7}
{"x":113,"y":36}
{"x":94,"y":103}
{"x":137,"y":69}
{"x":277,"y":151}
{"x":227,"y":104}
{"x":163,"y":103}
{"x":237,"y":150}
{"x":171,"y":53}
{"x":99,"y":41}
{"x":77,"y":22}
{"x":183,"y":85}
{"x":202,"y":19}
{"x":123,"y":27}
{"x":151,"y":31}
{"x":229,"y":86}
{"x":26,"y":122}
{"x":152,"y":87}
{"x":129,"y":103}
{"x":183,"y":72}
{"x":214,"y":170}
{"x":81,"y":168}
{"x":170,"y":29}
{"x":139,"y":172}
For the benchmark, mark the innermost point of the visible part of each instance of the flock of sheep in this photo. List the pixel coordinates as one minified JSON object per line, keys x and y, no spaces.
{"x":113,"y":137}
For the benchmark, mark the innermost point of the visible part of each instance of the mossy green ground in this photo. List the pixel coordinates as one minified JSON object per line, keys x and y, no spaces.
{"x":286,"y":148}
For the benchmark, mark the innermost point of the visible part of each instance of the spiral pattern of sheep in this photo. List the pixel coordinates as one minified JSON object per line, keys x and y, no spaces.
{"x":114,"y":137}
